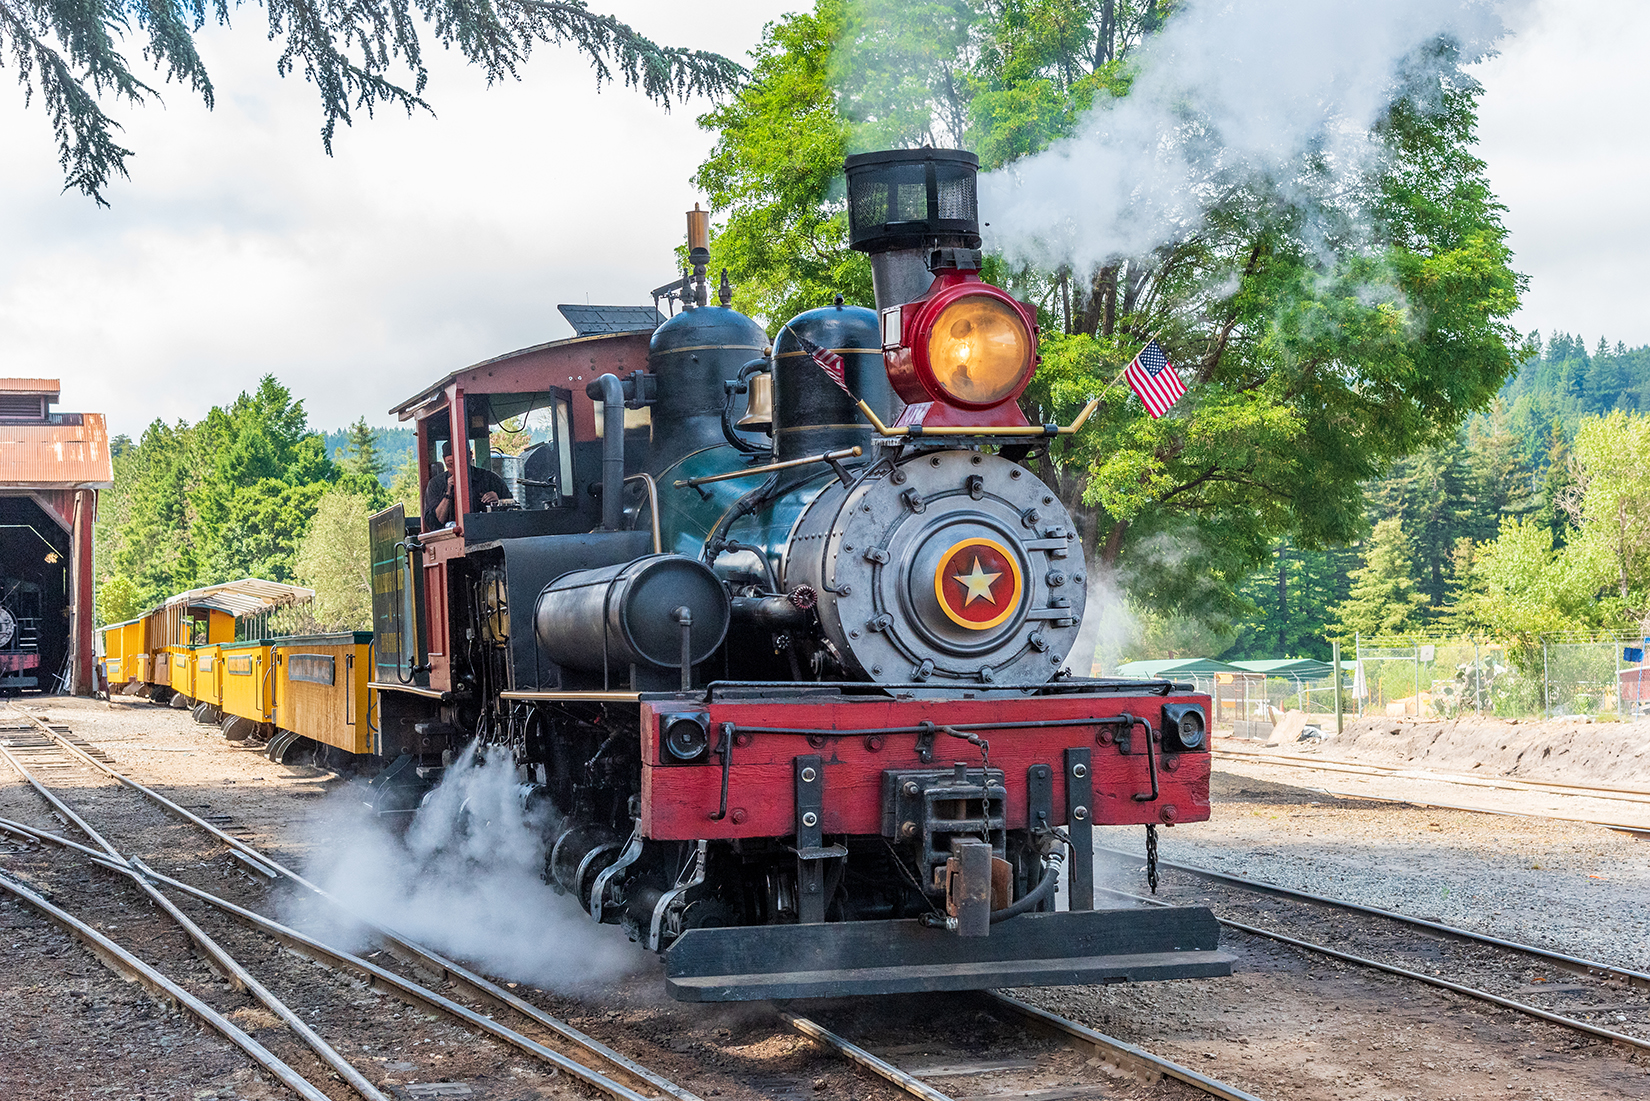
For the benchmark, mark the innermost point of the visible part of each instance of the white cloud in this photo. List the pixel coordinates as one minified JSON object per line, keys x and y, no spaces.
{"x":1566,"y":136}
{"x":239,"y":248}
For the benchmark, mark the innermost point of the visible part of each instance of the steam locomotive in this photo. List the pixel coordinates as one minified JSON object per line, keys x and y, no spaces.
{"x":777,"y":632}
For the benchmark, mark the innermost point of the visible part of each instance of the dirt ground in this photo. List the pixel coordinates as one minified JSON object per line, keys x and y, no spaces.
{"x":1285,"y":1026}
{"x":1573,"y":751}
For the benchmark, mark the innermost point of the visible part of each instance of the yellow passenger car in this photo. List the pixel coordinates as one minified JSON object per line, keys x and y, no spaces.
{"x":246,"y":681}
{"x":321,"y":689}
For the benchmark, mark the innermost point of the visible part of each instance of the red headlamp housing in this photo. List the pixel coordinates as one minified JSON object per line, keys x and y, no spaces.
{"x":961,"y":354}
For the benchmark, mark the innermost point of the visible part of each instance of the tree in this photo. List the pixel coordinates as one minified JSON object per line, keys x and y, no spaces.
{"x":333,"y":558}
{"x":405,"y":486}
{"x":1611,"y":504}
{"x":1384,"y":600}
{"x":1519,"y":589}
{"x":118,"y":601}
{"x":362,"y":456}
{"x":227,"y":497}
{"x":1329,"y":322}
{"x":776,"y":172}
{"x":1294,"y":598}
{"x":71,"y":55}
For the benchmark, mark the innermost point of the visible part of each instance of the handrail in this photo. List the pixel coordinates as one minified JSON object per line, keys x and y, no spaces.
{"x":915,"y":430}
{"x":824,"y":457}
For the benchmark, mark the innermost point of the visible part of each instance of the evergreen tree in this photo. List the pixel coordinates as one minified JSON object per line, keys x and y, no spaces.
{"x":70,"y":53}
{"x":1295,"y":597}
{"x":1499,"y":479}
{"x":362,"y":456}
{"x":1558,"y":501}
{"x":1384,"y":599}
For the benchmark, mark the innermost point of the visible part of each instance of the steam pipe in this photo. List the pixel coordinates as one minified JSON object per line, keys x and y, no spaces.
{"x":610,"y":392}
{"x":1043,"y":890}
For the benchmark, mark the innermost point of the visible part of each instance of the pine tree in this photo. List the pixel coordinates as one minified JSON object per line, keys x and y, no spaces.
{"x":1384,"y":599}
{"x":70,"y":53}
{"x":361,"y":455}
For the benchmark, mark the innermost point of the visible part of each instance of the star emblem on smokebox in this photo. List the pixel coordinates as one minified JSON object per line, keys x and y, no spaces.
{"x":978,"y":583}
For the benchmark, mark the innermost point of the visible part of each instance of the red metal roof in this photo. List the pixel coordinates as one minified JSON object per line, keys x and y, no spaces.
{"x":56,"y":456}
{"x":31,"y":386}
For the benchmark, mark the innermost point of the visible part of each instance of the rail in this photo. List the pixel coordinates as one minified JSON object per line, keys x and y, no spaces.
{"x":1404,"y":972}
{"x":475,"y":985}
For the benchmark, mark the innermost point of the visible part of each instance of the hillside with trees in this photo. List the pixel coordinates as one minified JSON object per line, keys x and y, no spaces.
{"x":1504,"y":528}
{"x":236,"y":494}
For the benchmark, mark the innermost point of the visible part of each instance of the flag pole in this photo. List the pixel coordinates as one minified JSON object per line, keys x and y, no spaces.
{"x":1108,"y":387}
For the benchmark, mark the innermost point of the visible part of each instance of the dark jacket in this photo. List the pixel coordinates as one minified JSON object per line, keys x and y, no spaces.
{"x":481,"y":481}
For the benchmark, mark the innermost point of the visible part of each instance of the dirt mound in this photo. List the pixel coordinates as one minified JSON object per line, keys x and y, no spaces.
{"x":1568,"y":750}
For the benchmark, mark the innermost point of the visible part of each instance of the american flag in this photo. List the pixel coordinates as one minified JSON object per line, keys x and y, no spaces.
{"x":828,"y":361}
{"x":1153,"y":378}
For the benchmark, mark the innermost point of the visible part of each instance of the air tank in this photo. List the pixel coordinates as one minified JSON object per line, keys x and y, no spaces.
{"x":624,"y":615}
{"x":811,"y":414}
{"x":692,"y":355}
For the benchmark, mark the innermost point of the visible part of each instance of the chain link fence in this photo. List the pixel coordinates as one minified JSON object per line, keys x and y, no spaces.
{"x":1249,"y":704}
{"x":1441,"y":677}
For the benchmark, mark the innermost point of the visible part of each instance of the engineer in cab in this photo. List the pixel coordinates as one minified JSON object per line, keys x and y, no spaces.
{"x":486,"y":488}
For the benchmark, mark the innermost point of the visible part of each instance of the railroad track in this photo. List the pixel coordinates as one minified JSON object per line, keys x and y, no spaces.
{"x":49,"y":755}
{"x":1635,"y":796}
{"x":1100,"y":1048}
{"x":1423,"y":945}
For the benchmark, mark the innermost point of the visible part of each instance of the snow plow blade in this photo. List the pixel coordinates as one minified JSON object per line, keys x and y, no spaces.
{"x":840,"y":959}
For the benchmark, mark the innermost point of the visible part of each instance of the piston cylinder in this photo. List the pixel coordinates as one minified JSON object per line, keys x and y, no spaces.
{"x":624,"y":615}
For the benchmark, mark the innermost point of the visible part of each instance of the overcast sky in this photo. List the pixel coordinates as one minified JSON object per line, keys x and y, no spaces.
{"x":239,"y":249}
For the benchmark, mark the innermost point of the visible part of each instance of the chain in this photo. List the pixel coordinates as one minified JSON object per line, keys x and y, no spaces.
{"x":1151,"y":855}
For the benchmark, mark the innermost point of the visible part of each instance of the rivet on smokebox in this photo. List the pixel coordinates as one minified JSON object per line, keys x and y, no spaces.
{"x":1168,"y":814}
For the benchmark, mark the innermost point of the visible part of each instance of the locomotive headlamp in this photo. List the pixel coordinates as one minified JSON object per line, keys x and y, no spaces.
{"x":978,"y":350}
{"x":966,"y":344}
{"x":686,"y":736}
{"x":1184,"y":727}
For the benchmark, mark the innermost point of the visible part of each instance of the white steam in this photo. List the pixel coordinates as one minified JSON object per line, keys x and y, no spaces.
{"x":465,"y":881}
{"x":1230,"y":92}
{"x":1108,"y":627}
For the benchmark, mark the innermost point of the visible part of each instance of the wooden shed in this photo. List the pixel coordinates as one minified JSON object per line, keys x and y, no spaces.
{"x":52,"y":465}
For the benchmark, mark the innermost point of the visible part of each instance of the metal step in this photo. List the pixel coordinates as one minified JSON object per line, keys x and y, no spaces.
{"x":837,"y":959}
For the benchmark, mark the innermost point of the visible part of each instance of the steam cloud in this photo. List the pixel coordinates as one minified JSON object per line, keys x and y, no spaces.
{"x":1108,"y":625}
{"x":1230,"y":91}
{"x":464,"y":880}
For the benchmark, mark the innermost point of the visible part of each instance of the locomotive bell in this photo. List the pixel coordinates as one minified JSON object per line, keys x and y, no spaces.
{"x":758,"y":404}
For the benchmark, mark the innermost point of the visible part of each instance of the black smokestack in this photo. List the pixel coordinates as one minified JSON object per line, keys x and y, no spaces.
{"x":912,"y":210}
